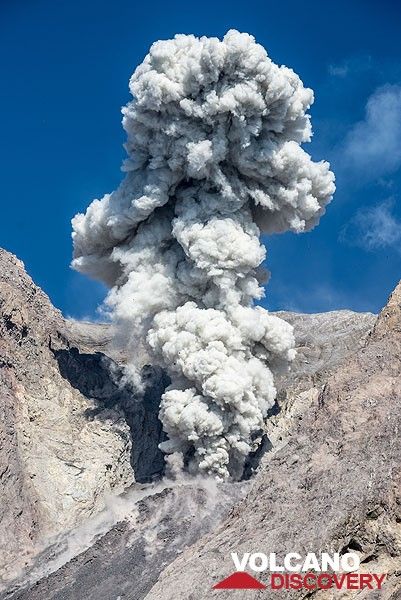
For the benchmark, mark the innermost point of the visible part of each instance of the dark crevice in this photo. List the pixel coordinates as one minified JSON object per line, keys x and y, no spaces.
{"x":253,"y":459}
{"x":352,"y":546}
{"x":369,"y":558}
{"x":99,"y":378}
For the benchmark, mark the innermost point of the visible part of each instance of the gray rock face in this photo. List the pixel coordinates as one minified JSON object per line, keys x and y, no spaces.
{"x":71,"y":433}
{"x":66,"y":427}
{"x":98,"y":377}
{"x":324,"y":341}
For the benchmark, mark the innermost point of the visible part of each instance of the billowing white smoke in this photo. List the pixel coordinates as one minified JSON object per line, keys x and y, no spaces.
{"x":214,"y":156}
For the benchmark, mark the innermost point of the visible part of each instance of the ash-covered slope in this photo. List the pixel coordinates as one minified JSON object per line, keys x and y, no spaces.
{"x":71,"y":434}
{"x":66,"y":428}
{"x":333,"y":485}
{"x":155,"y":525}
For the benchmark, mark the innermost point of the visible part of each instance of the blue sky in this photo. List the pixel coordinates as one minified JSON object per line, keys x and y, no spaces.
{"x":65,"y":68}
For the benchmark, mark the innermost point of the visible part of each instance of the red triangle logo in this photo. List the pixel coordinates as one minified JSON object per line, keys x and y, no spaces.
{"x":240,"y":581}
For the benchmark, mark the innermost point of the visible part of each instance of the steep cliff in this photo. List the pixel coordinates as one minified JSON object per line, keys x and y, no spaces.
{"x":69,"y":433}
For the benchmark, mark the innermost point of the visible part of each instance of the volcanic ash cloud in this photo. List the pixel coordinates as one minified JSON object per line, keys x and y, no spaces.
{"x":214,"y":158}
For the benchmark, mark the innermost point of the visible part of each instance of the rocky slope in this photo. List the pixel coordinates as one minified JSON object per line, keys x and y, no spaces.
{"x":66,"y":427}
{"x":334,"y":485}
{"x":72,"y":434}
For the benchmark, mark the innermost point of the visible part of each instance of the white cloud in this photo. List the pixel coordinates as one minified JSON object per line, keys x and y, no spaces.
{"x":373,"y":146}
{"x":351,"y":65}
{"x":373,"y":228}
{"x":339,"y":70}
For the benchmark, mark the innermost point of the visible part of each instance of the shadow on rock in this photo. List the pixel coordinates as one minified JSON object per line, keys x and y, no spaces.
{"x":99,"y":378}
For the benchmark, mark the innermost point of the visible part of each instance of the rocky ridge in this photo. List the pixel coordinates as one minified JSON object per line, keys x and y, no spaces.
{"x":332,"y":486}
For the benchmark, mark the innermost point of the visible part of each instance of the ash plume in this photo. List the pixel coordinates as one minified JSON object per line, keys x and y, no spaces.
{"x":214,"y":158}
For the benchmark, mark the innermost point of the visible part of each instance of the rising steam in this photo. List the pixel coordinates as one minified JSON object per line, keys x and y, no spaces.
{"x":214,"y":157}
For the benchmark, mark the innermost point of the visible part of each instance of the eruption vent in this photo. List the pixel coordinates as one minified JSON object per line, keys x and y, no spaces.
{"x":214,"y":158}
